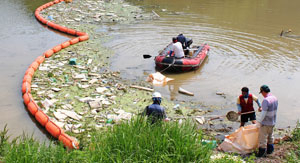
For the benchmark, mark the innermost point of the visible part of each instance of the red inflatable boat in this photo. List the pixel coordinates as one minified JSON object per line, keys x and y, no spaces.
{"x":192,"y":60}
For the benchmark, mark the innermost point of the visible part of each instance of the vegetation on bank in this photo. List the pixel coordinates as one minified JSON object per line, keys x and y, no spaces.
{"x":294,"y":155}
{"x":130,"y":141}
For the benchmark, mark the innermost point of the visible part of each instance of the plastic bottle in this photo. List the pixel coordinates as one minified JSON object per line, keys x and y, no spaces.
{"x":211,"y":143}
{"x":109,"y":121}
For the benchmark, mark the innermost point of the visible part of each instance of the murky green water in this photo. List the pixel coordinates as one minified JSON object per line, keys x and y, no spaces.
{"x":246,"y":49}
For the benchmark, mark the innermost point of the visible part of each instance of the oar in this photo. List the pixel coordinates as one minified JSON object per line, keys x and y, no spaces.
{"x":146,"y":56}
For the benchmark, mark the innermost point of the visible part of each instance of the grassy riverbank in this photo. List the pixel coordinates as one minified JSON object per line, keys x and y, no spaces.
{"x":130,"y":141}
{"x":137,"y":141}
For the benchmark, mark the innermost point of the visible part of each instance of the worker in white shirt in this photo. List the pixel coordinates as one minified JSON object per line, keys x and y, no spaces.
{"x":177,"y":49}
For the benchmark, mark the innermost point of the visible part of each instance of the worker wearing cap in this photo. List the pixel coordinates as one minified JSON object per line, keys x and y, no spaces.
{"x":245,"y":105}
{"x":155,"y":111}
{"x":267,"y":122}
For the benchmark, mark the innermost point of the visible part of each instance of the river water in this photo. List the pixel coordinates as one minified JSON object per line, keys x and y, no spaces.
{"x":246,"y":50}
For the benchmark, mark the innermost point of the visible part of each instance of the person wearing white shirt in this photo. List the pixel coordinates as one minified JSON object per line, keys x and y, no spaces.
{"x":177,"y":48}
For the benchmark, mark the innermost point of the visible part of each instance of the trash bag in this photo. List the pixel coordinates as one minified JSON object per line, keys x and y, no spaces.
{"x":244,"y":140}
{"x":158,"y":79}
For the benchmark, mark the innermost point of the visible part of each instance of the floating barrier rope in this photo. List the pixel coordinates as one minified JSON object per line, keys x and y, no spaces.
{"x":32,"y":107}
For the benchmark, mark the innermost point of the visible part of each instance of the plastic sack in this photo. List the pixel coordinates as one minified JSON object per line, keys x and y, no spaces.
{"x":244,"y":140}
{"x":158,"y":79}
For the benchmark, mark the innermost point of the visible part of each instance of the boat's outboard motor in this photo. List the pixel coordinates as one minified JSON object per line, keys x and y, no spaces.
{"x":188,"y":42}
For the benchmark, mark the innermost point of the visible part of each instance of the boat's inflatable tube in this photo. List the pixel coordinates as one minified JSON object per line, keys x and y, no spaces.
{"x":32,"y":107}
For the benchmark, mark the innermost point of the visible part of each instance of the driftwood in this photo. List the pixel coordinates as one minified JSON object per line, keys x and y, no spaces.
{"x":183,"y":91}
{"x":182,"y":117}
{"x":142,"y":88}
{"x":155,"y":14}
{"x":199,"y":119}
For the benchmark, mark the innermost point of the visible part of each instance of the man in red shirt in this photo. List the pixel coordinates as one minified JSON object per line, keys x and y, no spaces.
{"x":245,"y":105}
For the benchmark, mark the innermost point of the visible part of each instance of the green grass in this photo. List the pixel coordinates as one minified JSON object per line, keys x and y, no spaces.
{"x":294,"y":155}
{"x":132,"y":141}
{"x":139,"y":141}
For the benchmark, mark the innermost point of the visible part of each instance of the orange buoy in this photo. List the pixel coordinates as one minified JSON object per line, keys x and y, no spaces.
{"x":30,"y":71}
{"x":71,"y":31}
{"x":43,"y":20}
{"x":57,"y":48}
{"x":50,"y":24}
{"x":26,"y":98}
{"x":63,"y":29}
{"x":56,"y":1}
{"x":43,"y":7}
{"x":40,"y":59}
{"x":49,"y":4}
{"x":32,"y":108}
{"x":74,"y":40}
{"x":40,"y":8}
{"x":36,"y":13}
{"x":68,"y":141}
{"x":41,"y":117}
{"x":65,"y":44}
{"x":78,"y":33}
{"x":55,"y":26}
{"x":34,"y":65}
{"x":84,"y":37}
{"x":53,"y":129}
{"x":26,"y":87}
{"x":27,"y":78}
{"x":38,"y":16}
{"x":49,"y":53}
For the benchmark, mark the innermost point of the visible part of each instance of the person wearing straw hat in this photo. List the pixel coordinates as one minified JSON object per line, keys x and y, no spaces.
{"x":155,"y":111}
{"x":245,"y":105}
{"x":267,"y":122}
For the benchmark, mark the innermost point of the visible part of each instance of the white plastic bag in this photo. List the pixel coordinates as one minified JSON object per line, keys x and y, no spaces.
{"x":158,"y":79}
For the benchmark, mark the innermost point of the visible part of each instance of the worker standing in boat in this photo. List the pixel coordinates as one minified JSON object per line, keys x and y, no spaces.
{"x":177,"y":48}
{"x":155,"y":111}
{"x":245,"y":104}
{"x":186,"y":42}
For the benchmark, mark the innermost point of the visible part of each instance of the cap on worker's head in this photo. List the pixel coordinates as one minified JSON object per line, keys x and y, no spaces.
{"x":156,"y":94}
{"x":264,"y":88}
{"x":245,"y":89}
